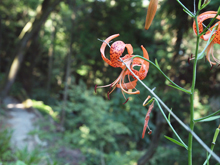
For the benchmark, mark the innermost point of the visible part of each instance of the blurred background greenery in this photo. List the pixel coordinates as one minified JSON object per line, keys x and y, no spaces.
{"x":59,"y":60}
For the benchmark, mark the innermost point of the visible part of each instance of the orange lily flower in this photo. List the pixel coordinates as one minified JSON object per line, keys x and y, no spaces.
{"x":202,"y":17}
{"x":116,"y":50}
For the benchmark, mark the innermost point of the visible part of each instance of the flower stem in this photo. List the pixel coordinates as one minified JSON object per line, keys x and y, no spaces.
{"x":190,"y":138}
{"x":174,"y":116}
{"x":158,"y":68}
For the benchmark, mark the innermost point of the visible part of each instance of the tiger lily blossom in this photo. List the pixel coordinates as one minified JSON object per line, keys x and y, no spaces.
{"x":216,"y":35}
{"x":116,"y":50}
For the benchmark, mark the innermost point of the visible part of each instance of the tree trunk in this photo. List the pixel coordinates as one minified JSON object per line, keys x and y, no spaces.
{"x":0,"y":39}
{"x":68,"y":69}
{"x":155,"y":141}
{"x":51,"y":53}
{"x":28,"y":32}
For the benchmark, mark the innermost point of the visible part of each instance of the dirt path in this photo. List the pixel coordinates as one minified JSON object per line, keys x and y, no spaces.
{"x":21,"y":122}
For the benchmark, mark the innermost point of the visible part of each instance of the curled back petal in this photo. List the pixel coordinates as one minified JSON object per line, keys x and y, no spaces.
{"x":144,"y":65}
{"x":129,"y":49}
{"x":129,"y":85}
{"x":201,"y":18}
{"x":102,"y":49}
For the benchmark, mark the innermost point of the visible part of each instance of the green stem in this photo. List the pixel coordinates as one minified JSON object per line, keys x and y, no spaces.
{"x":174,"y":116}
{"x":185,"y":8}
{"x":190,"y":138}
{"x":206,"y":117}
{"x":164,"y":115}
{"x":209,"y":156}
{"x":212,"y":145}
{"x":175,"y":85}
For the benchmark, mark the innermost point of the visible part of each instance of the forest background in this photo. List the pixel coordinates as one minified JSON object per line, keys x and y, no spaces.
{"x":49,"y":52}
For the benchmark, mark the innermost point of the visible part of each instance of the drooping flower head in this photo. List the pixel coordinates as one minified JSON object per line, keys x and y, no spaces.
{"x":116,"y":60}
{"x":216,"y":40}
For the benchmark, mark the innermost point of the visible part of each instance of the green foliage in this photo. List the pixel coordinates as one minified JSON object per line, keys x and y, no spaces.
{"x":169,"y":155}
{"x":5,"y":150}
{"x":93,"y":123}
{"x":90,"y":118}
{"x":174,"y":141}
{"x":33,"y":157}
{"x":44,"y":109}
{"x":128,"y":158}
{"x":20,"y":163}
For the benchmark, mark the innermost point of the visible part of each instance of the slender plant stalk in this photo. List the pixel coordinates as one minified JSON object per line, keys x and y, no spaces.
{"x":190,"y":130}
{"x":174,"y":116}
{"x":190,"y":138}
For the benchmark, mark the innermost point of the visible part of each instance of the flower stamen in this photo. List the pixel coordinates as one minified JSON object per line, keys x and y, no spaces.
{"x":95,"y":88}
{"x":126,"y":101}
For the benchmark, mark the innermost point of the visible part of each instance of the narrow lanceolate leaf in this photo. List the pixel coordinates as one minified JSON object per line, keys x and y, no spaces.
{"x":210,"y":119}
{"x":189,"y":13}
{"x":174,"y":141}
{"x":207,"y":117}
{"x":169,"y":115}
{"x":199,"y":4}
{"x":181,"y":89}
{"x":152,"y":8}
{"x":157,"y":63}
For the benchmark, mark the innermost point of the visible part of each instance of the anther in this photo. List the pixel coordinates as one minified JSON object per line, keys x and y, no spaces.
{"x":188,"y":60}
{"x":211,"y":67}
{"x":95,"y":88}
{"x":126,"y":101}
{"x":108,"y":95}
{"x":150,"y":132}
{"x":110,"y":88}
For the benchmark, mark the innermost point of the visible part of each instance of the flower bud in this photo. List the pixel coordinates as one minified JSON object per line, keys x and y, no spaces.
{"x":152,"y":8}
{"x":206,"y":2}
{"x":216,"y":135}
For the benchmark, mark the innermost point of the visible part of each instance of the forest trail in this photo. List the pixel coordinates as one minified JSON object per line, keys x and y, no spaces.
{"x":21,"y":121}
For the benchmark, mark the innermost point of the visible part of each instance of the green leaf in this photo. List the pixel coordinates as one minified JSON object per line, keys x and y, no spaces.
{"x":199,"y":5}
{"x":203,"y":118}
{"x":210,"y":118}
{"x":20,"y":163}
{"x":164,"y":115}
{"x":181,"y":89}
{"x":157,"y":63}
{"x":174,"y":141}
{"x":169,"y":115}
{"x":189,"y":13}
